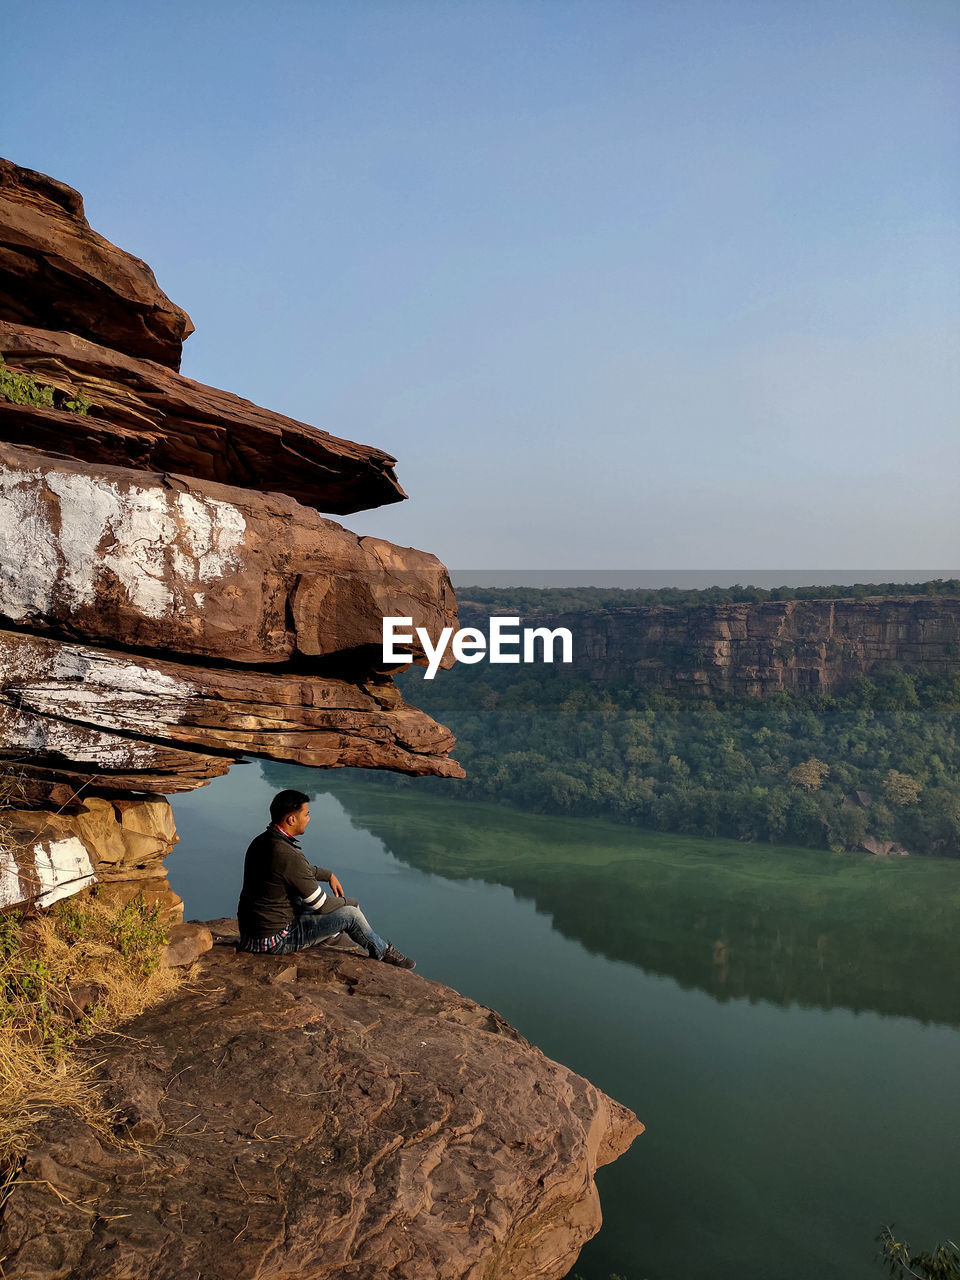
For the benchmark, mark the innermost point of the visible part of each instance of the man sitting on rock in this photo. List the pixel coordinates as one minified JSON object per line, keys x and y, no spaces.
{"x":283,"y":905}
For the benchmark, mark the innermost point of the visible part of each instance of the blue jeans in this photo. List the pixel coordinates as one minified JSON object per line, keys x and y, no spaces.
{"x":314,"y":927}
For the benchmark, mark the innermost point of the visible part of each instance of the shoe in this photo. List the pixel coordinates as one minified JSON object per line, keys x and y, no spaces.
{"x":393,"y":956}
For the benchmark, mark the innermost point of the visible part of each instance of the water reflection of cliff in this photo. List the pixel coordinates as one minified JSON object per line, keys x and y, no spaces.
{"x":812,"y":929}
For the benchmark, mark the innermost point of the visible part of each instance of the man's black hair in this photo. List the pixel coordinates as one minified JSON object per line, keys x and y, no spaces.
{"x":286,"y":802}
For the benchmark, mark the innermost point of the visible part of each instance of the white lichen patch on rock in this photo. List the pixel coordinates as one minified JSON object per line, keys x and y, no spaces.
{"x":113,"y":691}
{"x":48,"y":871}
{"x":116,"y":674}
{"x":86,"y":511}
{"x":62,"y":532}
{"x":29,"y":561}
{"x":213,"y":532}
{"x":89,"y":686}
{"x":62,"y":867}
{"x":10,"y":891}
{"x":31,"y":733}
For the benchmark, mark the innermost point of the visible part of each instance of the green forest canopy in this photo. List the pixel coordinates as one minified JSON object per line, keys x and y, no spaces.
{"x":879,"y":761}
{"x":547,"y":601}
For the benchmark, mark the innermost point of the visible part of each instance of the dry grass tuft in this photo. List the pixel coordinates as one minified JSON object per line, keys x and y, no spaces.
{"x":32,"y":1086}
{"x":80,"y":967}
{"x":117,"y":950}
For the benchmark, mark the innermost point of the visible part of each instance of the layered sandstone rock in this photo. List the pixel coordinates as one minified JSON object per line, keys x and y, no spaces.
{"x":170,"y":597}
{"x":57,"y":272}
{"x":760,"y":649}
{"x":319,"y":1115}
{"x":146,"y":417}
{"x":66,"y":703}
{"x":168,"y":563}
{"x":117,"y":845}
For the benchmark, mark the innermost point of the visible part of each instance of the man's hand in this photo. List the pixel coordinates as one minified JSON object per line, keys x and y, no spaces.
{"x":336,"y":886}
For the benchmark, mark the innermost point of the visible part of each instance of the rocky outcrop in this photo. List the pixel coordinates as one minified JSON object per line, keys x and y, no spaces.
{"x":319,"y":1115}
{"x":119,"y":846}
{"x":145,"y":417}
{"x":883,"y":848}
{"x":188,"y":567}
{"x":142,"y":722}
{"x":171,"y":600}
{"x":759,"y":649}
{"x":185,"y":944}
{"x":55,"y":271}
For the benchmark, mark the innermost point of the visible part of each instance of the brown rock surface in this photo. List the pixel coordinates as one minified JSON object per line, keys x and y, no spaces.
{"x":117,"y":893}
{"x":46,"y":855}
{"x":144,"y":416}
{"x":347,"y":1119}
{"x":147,"y":535}
{"x":74,"y":705}
{"x":185,"y":944}
{"x":57,"y":272}
{"x":161,"y":562}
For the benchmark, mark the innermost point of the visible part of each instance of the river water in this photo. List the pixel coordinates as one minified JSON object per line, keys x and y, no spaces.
{"x":785,"y":1022}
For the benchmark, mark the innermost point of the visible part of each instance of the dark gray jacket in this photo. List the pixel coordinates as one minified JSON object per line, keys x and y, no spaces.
{"x":278,"y":884}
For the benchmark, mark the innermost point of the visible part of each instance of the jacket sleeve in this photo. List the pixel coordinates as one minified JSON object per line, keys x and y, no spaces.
{"x":298,"y":876}
{"x":321,"y":873}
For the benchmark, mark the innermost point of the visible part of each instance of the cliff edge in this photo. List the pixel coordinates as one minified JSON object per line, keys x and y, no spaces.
{"x":173,"y":599}
{"x":318,"y":1115}
{"x":756,"y":650}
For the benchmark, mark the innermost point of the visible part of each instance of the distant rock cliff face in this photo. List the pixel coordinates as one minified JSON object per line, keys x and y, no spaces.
{"x":170,"y":597}
{"x":755,"y":650}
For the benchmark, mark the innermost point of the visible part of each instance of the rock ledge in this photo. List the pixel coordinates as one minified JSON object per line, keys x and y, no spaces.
{"x":319,"y":1115}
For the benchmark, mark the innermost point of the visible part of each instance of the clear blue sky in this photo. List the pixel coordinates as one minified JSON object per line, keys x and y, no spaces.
{"x":655,"y":285}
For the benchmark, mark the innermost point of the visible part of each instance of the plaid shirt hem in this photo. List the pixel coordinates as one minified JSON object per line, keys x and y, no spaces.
{"x":265,"y":944}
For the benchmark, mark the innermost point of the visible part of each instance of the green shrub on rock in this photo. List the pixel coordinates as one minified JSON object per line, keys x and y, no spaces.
{"x":21,"y":388}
